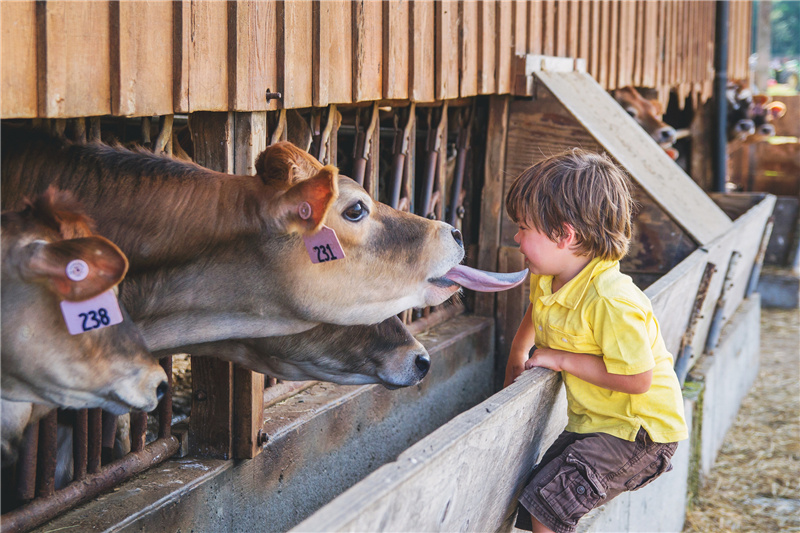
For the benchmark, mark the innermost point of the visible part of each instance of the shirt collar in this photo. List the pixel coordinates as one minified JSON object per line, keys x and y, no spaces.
{"x":572,"y":293}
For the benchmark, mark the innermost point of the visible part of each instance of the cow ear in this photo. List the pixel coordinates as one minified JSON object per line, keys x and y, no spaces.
{"x":760,"y":99}
{"x":657,"y":106}
{"x":304,"y":206}
{"x":95,"y":265}
{"x":776,"y":109}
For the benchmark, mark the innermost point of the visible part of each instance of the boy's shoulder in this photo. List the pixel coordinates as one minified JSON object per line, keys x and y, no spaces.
{"x":613,"y":284}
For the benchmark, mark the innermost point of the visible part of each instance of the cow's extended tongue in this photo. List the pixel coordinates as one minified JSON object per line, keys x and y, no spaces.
{"x":482,"y":281}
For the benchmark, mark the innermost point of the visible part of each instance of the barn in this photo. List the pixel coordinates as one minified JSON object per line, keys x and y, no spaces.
{"x":433,"y":107}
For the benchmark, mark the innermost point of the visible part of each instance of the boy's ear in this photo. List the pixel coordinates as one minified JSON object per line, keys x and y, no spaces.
{"x":569,"y":238}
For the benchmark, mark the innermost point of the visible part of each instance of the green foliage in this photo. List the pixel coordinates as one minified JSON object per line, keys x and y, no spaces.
{"x":785,"y":19}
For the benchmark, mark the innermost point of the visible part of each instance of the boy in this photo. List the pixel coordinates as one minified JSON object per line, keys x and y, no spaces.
{"x":592,"y":324}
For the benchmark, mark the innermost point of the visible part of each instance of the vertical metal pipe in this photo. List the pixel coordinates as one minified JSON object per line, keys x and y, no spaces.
{"x":95,"y":440}
{"x":26,"y":463}
{"x":720,"y":148}
{"x":80,"y":434}
{"x":109,"y":435}
{"x":48,"y":447}
{"x":138,"y":430}
{"x":165,"y":407}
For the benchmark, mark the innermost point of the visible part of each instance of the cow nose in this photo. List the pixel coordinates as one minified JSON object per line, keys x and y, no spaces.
{"x":457,"y":237}
{"x":162,"y":389}
{"x":667,"y":135}
{"x":423,"y":363}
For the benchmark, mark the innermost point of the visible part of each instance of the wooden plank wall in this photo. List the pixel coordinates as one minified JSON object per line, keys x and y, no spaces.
{"x":152,"y":57}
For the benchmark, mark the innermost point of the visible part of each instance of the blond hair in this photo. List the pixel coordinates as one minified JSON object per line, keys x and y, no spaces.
{"x":583,"y":189}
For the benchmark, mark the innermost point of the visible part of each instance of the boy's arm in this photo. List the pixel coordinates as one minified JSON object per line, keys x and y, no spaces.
{"x":589,"y":368}
{"x":520,"y":347}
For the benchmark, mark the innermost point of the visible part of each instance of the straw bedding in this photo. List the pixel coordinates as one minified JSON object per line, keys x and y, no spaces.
{"x":755,"y":483}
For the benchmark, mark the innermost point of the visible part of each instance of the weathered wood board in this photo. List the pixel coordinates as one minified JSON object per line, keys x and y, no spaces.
{"x":18,"y":65}
{"x":435,"y":484}
{"x":646,"y":162}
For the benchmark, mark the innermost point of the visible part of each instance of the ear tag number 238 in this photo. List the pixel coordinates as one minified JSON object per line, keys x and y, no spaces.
{"x":95,"y":313}
{"x":324,"y":245}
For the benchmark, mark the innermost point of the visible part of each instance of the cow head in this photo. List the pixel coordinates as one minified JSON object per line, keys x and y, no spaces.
{"x":763,"y":112}
{"x":740,"y":102}
{"x":384,"y":353}
{"x":392,"y":260}
{"x":41,"y":361}
{"x":648,"y":113}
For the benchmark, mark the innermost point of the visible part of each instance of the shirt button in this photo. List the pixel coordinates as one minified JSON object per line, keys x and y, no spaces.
{"x":581,"y":489}
{"x":540,"y":328}
{"x":563,"y":339}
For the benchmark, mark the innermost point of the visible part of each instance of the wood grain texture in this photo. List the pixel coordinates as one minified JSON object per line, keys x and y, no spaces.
{"x":142,"y":72}
{"x":208,"y":57}
{"x":446,"y":49}
{"x":487,"y":27}
{"x":367,"y":50}
{"x":295,"y":53}
{"x":396,"y":49}
{"x":18,"y":66}
{"x":74,"y":77}
{"x":469,"y":42}
{"x":422,"y":56}
{"x":254,"y":71}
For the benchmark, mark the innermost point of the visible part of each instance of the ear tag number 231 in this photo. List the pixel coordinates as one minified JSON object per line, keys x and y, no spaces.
{"x":324,"y":245}
{"x":95,"y":313}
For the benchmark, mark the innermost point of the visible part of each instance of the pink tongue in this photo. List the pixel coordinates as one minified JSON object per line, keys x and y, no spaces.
{"x":482,"y":281}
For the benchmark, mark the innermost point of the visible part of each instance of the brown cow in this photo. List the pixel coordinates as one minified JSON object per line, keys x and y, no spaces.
{"x":384,"y":353}
{"x":43,"y":365}
{"x":648,"y":113}
{"x":215,"y":256}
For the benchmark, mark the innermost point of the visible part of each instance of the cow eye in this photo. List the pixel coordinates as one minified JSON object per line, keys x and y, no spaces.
{"x":631,"y":111}
{"x":356,"y":212}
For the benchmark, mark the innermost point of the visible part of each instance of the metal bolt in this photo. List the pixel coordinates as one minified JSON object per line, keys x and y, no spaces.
{"x":273,"y":96}
{"x":263,"y":438}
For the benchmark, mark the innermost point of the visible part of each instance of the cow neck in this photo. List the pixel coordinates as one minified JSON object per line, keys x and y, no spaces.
{"x":158,"y":210}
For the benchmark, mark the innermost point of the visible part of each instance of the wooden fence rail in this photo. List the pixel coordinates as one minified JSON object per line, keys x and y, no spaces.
{"x":87,"y":58}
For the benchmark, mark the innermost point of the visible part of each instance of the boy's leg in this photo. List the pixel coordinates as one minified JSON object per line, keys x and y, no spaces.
{"x":591,"y":470}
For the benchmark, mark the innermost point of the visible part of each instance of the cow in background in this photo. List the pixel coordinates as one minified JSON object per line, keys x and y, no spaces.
{"x":649,"y":114}
{"x":750,"y":115}
{"x":43,"y":364}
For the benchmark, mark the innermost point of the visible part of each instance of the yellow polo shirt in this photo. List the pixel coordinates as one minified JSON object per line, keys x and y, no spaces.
{"x":601,"y":312}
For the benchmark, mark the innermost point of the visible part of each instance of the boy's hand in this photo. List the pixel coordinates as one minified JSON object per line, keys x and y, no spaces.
{"x":545,"y":358}
{"x":514,"y":367}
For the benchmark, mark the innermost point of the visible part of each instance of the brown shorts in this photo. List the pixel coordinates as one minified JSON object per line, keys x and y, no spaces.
{"x":582,"y":471}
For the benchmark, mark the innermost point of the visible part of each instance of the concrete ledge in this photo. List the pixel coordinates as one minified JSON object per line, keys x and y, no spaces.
{"x":727,"y":376}
{"x":322,"y":441}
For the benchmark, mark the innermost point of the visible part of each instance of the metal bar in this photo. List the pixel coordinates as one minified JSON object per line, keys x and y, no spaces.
{"x":463,"y":145}
{"x":401,"y":147}
{"x":685,"y":351}
{"x":26,"y":463}
{"x":755,"y":274}
{"x":718,"y":320}
{"x":165,"y":407}
{"x":43,"y":509}
{"x":95,"y":440}
{"x":80,"y":433}
{"x":48,"y":447}
{"x":138,"y":430}
{"x":720,"y":147}
{"x":108,"y":438}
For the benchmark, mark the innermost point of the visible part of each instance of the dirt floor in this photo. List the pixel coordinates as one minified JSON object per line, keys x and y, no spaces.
{"x":755,"y":484}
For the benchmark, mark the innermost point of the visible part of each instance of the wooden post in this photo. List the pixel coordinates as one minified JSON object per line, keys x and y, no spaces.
{"x":211,"y":422}
{"x":250,"y":139}
{"x":492,"y":196}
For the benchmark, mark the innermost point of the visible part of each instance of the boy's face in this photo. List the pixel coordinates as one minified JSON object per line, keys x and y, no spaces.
{"x":543,"y":255}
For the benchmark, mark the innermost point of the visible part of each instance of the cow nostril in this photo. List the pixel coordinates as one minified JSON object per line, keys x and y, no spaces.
{"x":457,"y":236}
{"x":162,"y":389}
{"x":423,"y":363}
